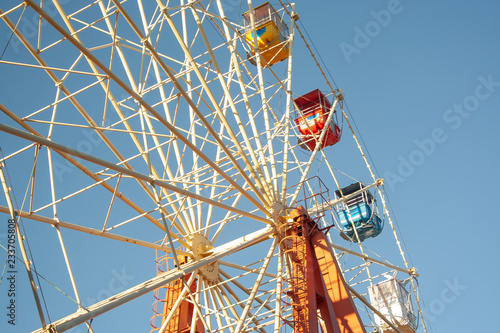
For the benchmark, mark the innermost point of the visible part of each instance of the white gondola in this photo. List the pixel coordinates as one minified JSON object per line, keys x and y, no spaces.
{"x":391,"y":299}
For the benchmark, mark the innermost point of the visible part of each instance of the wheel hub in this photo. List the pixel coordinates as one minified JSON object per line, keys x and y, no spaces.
{"x":201,"y":248}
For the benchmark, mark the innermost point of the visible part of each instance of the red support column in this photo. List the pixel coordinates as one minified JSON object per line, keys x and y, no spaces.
{"x":318,"y":289}
{"x":347,"y":315}
{"x":181,"y":321}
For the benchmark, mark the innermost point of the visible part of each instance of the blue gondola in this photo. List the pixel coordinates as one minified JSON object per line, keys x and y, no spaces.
{"x":358,"y":211}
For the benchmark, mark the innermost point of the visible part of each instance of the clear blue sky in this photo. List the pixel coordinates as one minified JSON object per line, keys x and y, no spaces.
{"x":422,"y":83}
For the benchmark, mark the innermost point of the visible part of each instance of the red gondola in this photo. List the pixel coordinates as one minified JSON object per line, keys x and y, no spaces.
{"x":315,"y":107}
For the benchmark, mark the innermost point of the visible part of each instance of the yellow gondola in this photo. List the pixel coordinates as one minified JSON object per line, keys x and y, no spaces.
{"x":272,"y":34}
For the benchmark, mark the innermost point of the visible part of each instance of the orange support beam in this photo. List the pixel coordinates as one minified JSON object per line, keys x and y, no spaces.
{"x":182,"y":319}
{"x":343,"y":306}
{"x":302,"y":280}
{"x":318,"y":289}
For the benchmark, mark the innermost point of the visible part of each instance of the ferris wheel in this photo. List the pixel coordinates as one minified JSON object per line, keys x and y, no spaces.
{"x":168,"y":135}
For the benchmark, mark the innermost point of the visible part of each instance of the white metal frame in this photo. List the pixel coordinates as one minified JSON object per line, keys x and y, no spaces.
{"x":195,"y":141}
